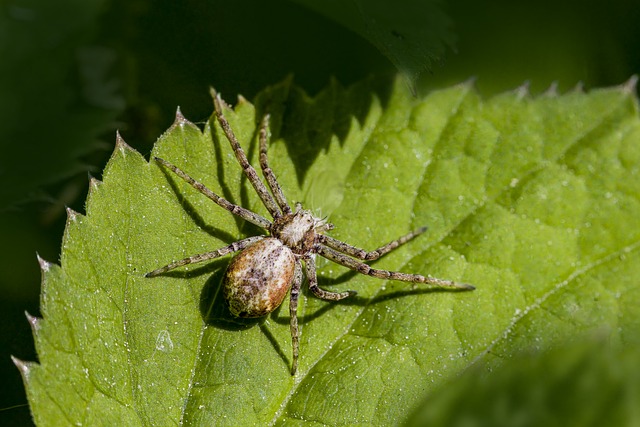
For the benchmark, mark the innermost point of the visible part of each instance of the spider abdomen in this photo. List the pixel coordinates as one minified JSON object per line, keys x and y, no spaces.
{"x":258,"y":278}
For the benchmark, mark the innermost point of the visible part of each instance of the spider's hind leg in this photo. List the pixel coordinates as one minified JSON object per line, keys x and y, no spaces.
{"x":366,"y":269}
{"x":293,"y":316}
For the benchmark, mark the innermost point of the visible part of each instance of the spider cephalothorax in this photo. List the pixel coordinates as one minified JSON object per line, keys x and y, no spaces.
{"x":296,"y":230}
{"x":267,"y":267}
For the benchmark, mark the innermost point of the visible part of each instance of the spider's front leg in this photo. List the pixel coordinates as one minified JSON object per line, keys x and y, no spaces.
{"x":234,"y":247}
{"x":249,"y":171}
{"x":243,"y":213}
{"x":267,"y":172}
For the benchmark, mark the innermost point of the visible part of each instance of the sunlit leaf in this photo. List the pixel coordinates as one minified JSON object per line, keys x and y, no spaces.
{"x":532,"y":199}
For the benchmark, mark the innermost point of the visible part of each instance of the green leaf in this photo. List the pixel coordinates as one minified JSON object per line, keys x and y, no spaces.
{"x":586,"y":383}
{"x":532,"y":199}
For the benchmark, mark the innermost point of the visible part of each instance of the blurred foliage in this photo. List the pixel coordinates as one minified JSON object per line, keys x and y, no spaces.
{"x":581,"y":384}
{"x":412,"y":34}
{"x":73,"y":71}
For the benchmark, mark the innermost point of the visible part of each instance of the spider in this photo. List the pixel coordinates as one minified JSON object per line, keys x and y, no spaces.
{"x":267,"y":267}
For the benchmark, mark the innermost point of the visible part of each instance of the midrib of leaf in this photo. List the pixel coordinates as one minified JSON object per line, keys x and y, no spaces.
{"x":188,"y":394}
{"x":302,"y":371}
{"x":122,"y":147}
{"x":347,"y":327}
{"x":401,"y":118}
{"x":179,"y":121}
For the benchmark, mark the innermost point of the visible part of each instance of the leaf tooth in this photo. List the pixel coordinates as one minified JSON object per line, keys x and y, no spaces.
{"x":24,"y":367}
{"x":470,"y":82}
{"x":45,"y":266}
{"x":629,"y":87}
{"x":34,"y":321}
{"x":180,"y":119}
{"x":119,"y":138}
{"x":71,"y":215}
{"x":552,"y":91}
{"x":94,"y":183}
{"x":122,"y":146}
{"x":579,"y":88}
{"x":522,"y":91}
{"x":242,"y":100}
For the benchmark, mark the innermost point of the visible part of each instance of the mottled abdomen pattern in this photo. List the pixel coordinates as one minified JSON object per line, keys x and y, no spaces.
{"x":258,"y":278}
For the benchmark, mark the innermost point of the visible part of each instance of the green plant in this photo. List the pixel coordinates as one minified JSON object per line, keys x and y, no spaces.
{"x":532,"y":199}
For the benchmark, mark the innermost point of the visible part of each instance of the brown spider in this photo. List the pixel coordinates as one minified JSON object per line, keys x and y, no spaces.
{"x":267,"y":267}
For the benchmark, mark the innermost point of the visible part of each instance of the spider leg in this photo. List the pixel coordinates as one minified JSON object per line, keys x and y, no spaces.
{"x":372,"y":255}
{"x":293,"y":315}
{"x":363,"y":268}
{"x":310,"y":264}
{"x":249,"y":171}
{"x":243,"y":213}
{"x":268,"y":172}
{"x":234,"y":247}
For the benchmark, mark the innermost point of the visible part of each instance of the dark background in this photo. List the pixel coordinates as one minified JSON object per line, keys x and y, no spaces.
{"x":74,"y":71}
